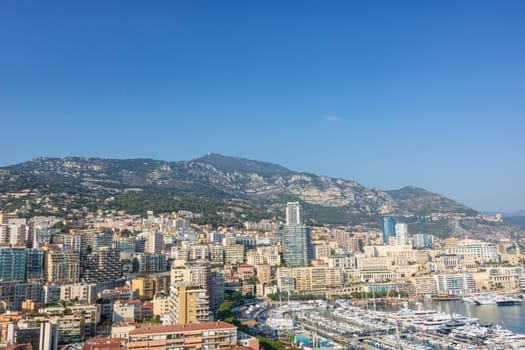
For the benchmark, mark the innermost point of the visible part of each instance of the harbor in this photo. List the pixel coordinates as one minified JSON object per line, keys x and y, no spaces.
{"x":452,"y":324}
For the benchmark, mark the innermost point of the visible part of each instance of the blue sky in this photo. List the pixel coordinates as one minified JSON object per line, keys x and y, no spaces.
{"x":387,"y":93}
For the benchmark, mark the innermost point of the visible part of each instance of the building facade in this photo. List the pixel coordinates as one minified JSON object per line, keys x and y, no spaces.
{"x":207,"y":335}
{"x":12,"y":264}
{"x":388,"y":228}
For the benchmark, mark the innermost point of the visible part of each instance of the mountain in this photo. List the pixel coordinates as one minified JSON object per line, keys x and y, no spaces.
{"x":241,"y":165}
{"x":518,"y":221}
{"x":518,"y":213}
{"x":422,"y":202}
{"x":245,"y":189}
{"x":505,"y":214}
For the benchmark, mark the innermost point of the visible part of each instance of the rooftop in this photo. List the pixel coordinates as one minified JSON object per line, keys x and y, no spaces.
{"x":182,"y":328}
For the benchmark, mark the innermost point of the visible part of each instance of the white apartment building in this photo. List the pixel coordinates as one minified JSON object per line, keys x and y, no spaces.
{"x":455,"y":284}
{"x":482,"y":251}
{"x":401,"y":230}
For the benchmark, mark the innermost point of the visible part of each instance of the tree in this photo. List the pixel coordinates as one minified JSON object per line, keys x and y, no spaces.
{"x":224,"y":310}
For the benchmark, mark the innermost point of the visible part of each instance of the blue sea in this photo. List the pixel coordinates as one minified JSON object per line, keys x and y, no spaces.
{"x":510,"y":317}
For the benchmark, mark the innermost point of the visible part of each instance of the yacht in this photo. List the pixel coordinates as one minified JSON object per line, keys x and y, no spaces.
{"x":469,"y":299}
{"x":485,"y":300}
{"x":508,"y":300}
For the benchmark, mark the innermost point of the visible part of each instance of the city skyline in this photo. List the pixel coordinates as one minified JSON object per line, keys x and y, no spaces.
{"x":388,"y":95}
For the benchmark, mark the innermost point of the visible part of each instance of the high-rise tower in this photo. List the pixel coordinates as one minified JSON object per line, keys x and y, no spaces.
{"x":387,"y":224}
{"x":401,"y":229}
{"x":12,"y":264}
{"x":293,"y":214}
{"x":297,"y":247}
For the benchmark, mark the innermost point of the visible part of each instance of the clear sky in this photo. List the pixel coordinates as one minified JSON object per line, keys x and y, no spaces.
{"x":387,"y":93}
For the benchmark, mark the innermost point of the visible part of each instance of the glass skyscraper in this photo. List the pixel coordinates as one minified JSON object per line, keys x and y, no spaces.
{"x":296,"y":241}
{"x":35,"y":264}
{"x":387,"y":225}
{"x":12,"y":264}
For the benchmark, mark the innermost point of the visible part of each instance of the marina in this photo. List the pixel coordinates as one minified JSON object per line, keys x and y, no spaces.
{"x":429,"y":325}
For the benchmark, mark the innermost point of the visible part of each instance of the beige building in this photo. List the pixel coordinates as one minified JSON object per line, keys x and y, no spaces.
{"x":263,"y":273}
{"x":180,"y":272}
{"x":161,"y":304}
{"x":451,"y":242}
{"x":254,"y":258}
{"x":234,"y":254}
{"x":498,"y":278}
{"x":189,"y":304}
{"x":308,"y":279}
{"x":148,"y":286}
{"x":425,"y":285}
{"x":369,"y":263}
{"x":208,"y":335}
{"x":61,"y":267}
{"x":127,"y":311}
{"x":122,"y":330}
{"x":143,"y":287}
{"x":78,"y":291}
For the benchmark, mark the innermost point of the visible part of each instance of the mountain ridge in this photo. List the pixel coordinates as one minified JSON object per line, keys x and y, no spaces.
{"x":261,"y":185}
{"x":229,"y":172}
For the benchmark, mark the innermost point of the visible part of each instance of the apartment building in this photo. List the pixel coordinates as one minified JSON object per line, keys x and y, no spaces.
{"x":189,"y":304}
{"x":306,"y":279}
{"x":482,"y":251}
{"x":61,"y":267}
{"x":207,"y":335}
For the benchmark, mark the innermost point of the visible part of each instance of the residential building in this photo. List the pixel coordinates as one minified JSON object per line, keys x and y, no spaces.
{"x":293,"y":214}
{"x":209,"y":335}
{"x":285,"y":279}
{"x":100,"y":240}
{"x":127,"y":311}
{"x":216,"y":254}
{"x":145,"y":262}
{"x":79,"y":291}
{"x":12,"y":264}
{"x":233,"y":254}
{"x":35,"y":265}
{"x":317,"y":278}
{"x":263,"y":273}
{"x":216,"y":290}
{"x":425,"y":285}
{"x":15,"y":293}
{"x":51,"y":293}
{"x":61,"y":267}
{"x":456,"y":284}
{"x":154,"y":242}
{"x":189,"y":304}
{"x":161,"y":304}
{"x":401,"y":231}
{"x":42,"y":236}
{"x":143,"y":287}
{"x":102,"y":265}
{"x":122,"y":293}
{"x":121,"y":330}
{"x":422,"y":241}
{"x":322,"y":250}
{"x":254,"y":258}
{"x":296,"y":243}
